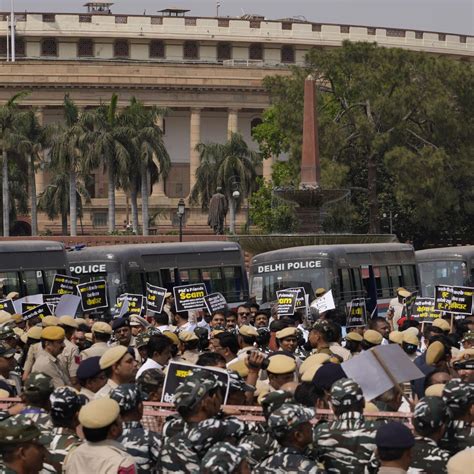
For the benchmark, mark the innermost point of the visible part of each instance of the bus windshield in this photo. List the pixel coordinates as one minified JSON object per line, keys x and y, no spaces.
{"x":263,"y":287}
{"x":442,"y":272}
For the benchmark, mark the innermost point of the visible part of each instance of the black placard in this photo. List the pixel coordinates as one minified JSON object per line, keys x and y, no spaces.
{"x":39,"y":311}
{"x":155,"y":298}
{"x":454,"y":299}
{"x":177,"y":372}
{"x":27,"y":306}
{"x":215,"y":302}
{"x":189,"y":297}
{"x":300,"y":297}
{"x":52,"y":300}
{"x":93,"y":295}
{"x":63,"y":285}
{"x":357,"y":314}
{"x":7,"y":305}
{"x":135,"y":303}
{"x":409,"y":302}
{"x":286,"y":302}
{"x":424,"y":310}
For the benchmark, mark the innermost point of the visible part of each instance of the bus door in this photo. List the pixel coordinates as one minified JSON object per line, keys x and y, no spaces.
{"x":369,"y":280}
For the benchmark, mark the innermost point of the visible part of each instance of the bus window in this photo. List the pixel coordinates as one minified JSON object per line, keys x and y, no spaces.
{"x":232,"y":283}
{"x":396,"y":280}
{"x":409,"y":276}
{"x":212,"y":278}
{"x":135,"y":284}
{"x":153,"y":278}
{"x":9,"y":281}
{"x":383,"y":284}
{"x":355,"y":272}
{"x":345,"y":283}
{"x":188,"y":276}
{"x":168,"y":278}
{"x":33,"y":281}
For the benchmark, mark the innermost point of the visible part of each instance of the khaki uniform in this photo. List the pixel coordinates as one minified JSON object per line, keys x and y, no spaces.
{"x":106,"y":389}
{"x":96,"y":350}
{"x":69,"y":358}
{"x":49,"y":365}
{"x":190,"y":357}
{"x":106,"y":456}
{"x":88,"y":393}
{"x":33,"y":352}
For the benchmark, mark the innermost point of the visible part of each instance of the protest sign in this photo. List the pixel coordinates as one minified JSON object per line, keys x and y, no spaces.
{"x":178,"y":371}
{"x":189,"y":297}
{"x":7,"y":305}
{"x":300,"y":297}
{"x":135,"y":303}
{"x":454,"y":299}
{"x":31,"y":299}
{"x":424,"y":310}
{"x":409,"y":302}
{"x":215,"y":302}
{"x":155,"y":298}
{"x":67,"y":305}
{"x":40,"y":311}
{"x":64,"y":285}
{"x":286,"y":300}
{"x":51,"y":301}
{"x":324,"y":303}
{"x":120,"y":307}
{"x":357,"y":314}
{"x":28,"y":306}
{"x":93,"y":295}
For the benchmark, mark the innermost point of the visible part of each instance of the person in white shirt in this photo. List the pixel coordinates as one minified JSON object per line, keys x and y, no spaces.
{"x":159,"y":354}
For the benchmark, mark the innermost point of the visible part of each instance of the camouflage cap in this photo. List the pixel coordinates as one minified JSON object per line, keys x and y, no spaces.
{"x":142,"y":340}
{"x":468,"y":337}
{"x":6,"y":332}
{"x":66,"y":402}
{"x":430,"y":414}
{"x":345,"y":392}
{"x":38,"y":383}
{"x":194,"y":388}
{"x":238,"y":383}
{"x":223,"y":457}
{"x":150,"y":380}
{"x":288,"y":417}
{"x":274,"y":400}
{"x":458,"y":394}
{"x":13,"y":434}
{"x":127,"y":395}
{"x":5,"y":350}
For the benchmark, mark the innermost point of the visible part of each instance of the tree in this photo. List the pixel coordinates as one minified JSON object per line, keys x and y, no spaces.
{"x":9,"y":121}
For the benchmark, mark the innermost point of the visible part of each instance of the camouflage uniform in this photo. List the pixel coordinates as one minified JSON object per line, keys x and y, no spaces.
{"x":223,"y":458}
{"x":144,"y":445}
{"x":288,"y":459}
{"x":459,"y":434}
{"x":346,"y":444}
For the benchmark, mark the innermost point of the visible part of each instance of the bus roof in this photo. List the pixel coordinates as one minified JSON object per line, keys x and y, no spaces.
{"x":24,"y":246}
{"x":334,"y":251}
{"x":445,"y":253}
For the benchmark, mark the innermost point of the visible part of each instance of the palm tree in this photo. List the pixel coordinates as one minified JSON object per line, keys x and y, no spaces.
{"x":231,"y":166}
{"x":108,"y":139}
{"x":32,"y":138}
{"x":147,"y":150}
{"x":68,"y":143}
{"x":9,"y":121}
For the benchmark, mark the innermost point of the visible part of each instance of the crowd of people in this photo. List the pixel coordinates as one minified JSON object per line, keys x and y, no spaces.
{"x":83,"y":383}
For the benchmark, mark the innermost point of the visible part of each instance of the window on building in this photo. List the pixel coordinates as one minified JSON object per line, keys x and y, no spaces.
{"x":287,"y":54}
{"x":121,"y":20}
{"x":190,"y":21}
{"x":316,"y":27}
{"x":223,"y":23}
{"x":49,"y":17}
{"x":157,"y":49}
{"x":20,"y":47}
{"x":49,"y":47}
{"x":256,"y":52}
{"x":345,"y":29}
{"x":371,"y":31}
{"x":441,"y":37}
{"x":121,"y":49}
{"x":224,"y":51}
{"x":85,"y":18}
{"x":156,"y":20}
{"x":190,"y":50}
{"x":99,"y":219}
{"x":419,"y":35}
{"x":85,"y":48}
{"x":255,"y":123}
{"x":286,"y":25}
{"x":3,"y":46}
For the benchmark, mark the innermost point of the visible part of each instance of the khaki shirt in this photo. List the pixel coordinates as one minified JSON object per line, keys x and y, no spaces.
{"x":190,"y":357}
{"x":69,"y":358}
{"x":96,"y":350}
{"x":106,"y":389}
{"x":33,"y":352}
{"x":88,"y":393}
{"x":104,"y":457}
{"x":51,"y":366}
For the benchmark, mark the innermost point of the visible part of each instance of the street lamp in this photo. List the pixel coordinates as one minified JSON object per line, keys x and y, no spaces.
{"x":181,"y":209}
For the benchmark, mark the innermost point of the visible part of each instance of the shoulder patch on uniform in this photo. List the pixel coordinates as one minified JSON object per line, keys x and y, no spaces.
{"x":126,"y":470}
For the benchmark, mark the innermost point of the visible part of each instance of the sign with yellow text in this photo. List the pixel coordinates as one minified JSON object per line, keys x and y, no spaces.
{"x":454,"y":299}
{"x":64,"y":285}
{"x":286,"y":302}
{"x":93,"y":295}
{"x":357,"y":313}
{"x":189,"y":297}
{"x":155,"y":298}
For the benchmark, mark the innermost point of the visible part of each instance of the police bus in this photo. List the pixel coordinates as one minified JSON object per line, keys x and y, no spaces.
{"x":28,"y":266}
{"x":372,"y":271}
{"x":127,"y":268}
{"x":445,"y":266}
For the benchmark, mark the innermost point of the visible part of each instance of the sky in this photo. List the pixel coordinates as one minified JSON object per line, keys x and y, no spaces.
{"x":449,"y":16}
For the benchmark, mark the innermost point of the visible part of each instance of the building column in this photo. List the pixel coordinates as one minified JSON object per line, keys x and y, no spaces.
{"x":267,"y":168}
{"x":40,"y":174}
{"x":232,"y":122}
{"x":194,"y":139}
{"x":159,"y":188}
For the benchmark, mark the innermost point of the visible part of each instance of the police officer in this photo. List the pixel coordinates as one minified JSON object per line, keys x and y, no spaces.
{"x":101,"y":333}
{"x":91,"y":377}
{"x":7,"y":364}
{"x":69,"y":357}
{"x":144,"y":445}
{"x":224,"y":458}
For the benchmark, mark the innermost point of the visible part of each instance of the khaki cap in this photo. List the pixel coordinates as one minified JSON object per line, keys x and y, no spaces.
{"x":4,"y":393}
{"x":34,"y":332}
{"x":309,"y":374}
{"x":410,"y":338}
{"x":81,"y":321}
{"x":187,"y":336}
{"x":287,"y":332}
{"x":281,"y":364}
{"x":412,"y":330}
{"x":435,"y":390}
{"x":240,"y":367}
{"x":460,"y":462}
{"x":24,"y":338}
{"x":249,"y":331}
{"x":404,"y":293}
{"x":370,"y":407}
{"x":434,"y":353}
{"x":320,"y":291}
{"x":4,"y":316}
{"x":88,"y":336}
{"x":172,"y":336}
{"x":13,"y":295}
{"x":112,"y":356}
{"x":216,"y":332}
{"x":102,"y":328}
{"x":48,"y":321}
{"x":53,"y":333}
{"x":68,"y":321}
{"x":354,"y":336}
{"x":373,"y":337}
{"x":17,"y":318}
{"x":99,"y":413}
{"x":18,"y":332}
{"x":466,"y":354}
{"x":315,"y":359}
{"x":396,"y":337}
{"x":442,"y":324}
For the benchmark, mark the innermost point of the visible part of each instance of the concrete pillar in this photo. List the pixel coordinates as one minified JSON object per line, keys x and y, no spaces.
{"x":159,"y":188}
{"x":195,"y":138}
{"x":267,"y":168}
{"x":232,"y":122}
{"x":40,"y":174}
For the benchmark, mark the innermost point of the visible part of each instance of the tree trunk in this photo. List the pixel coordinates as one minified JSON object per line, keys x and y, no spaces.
{"x":64,"y":224}
{"x":374,"y":222}
{"x":72,"y":202}
{"x":111,"y":197}
{"x":5,"y":195}
{"x":232,"y":215}
{"x":32,"y":186}
{"x":134,"y":206}
{"x":144,"y":191}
